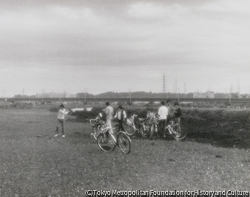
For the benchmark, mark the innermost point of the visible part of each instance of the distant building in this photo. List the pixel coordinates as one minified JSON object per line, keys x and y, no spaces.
{"x":245,"y":96}
{"x":72,"y":95}
{"x":227,"y":96}
{"x":55,"y":95}
{"x":208,"y":94}
{"x":235,"y":95}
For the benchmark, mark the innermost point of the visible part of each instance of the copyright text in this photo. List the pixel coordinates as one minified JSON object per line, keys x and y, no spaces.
{"x":166,"y":193}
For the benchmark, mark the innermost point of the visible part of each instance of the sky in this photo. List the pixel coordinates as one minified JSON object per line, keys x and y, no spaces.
{"x":113,"y":45}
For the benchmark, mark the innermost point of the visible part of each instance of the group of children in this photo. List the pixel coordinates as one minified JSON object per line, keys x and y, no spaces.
{"x":165,"y":113}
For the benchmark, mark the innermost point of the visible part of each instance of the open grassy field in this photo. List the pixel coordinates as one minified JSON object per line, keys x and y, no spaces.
{"x":34,"y":163}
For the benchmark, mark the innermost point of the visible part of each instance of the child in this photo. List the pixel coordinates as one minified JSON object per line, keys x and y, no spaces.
{"x":152,"y":121}
{"x":163,"y":114}
{"x":61,"y":119}
{"x":177,"y":116}
{"x":121,"y":116}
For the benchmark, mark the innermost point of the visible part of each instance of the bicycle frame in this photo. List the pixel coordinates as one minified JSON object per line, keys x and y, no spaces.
{"x":132,"y":121}
{"x":119,"y":131}
{"x":142,"y":126}
{"x":95,"y":122}
{"x":105,"y":129}
{"x":119,"y":140}
{"x":170,"y":128}
{"x":96,"y":125}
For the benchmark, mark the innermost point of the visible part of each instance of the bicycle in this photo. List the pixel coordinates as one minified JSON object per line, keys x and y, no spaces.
{"x":153,"y":130}
{"x":152,"y":121}
{"x":107,"y":142}
{"x":130,"y":125}
{"x":173,"y":130}
{"x":135,"y":124}
{"x":96,"y":125}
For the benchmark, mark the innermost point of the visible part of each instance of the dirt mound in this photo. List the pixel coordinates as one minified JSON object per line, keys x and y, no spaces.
{"x":218,"y":127}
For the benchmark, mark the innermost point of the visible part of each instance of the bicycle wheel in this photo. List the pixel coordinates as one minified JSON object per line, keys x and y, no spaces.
{"x":129,"y":129}
{"x":144,"y":130}
{"x":124,"y":142}
{"x":179,"y":135}
{"x":106,"y":144}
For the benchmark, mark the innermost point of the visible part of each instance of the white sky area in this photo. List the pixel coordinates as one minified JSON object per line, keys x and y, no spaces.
{"x":97,"y":45}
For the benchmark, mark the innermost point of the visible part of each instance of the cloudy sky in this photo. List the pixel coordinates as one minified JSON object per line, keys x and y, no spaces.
{"x":116,"y":45}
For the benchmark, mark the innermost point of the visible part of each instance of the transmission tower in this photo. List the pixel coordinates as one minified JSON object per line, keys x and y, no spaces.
{"x":176,"y":86}
{"x":238,"y":86}
{"x":164,"y":84}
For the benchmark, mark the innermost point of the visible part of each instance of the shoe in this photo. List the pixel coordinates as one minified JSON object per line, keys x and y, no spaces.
{"x":63,"y":135}
{"x":55,"y":135}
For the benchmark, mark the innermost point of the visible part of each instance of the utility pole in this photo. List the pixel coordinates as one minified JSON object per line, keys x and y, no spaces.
{"x":178,"y":95}
{"x":42,"y":95}
{"x":230,"y":96}
{"x":185,"y":88}
{"x":85,"y":98}
{"x":238,"y":87}
{"x":129,"y":103}
{"x":130,"y":96}
{"x":176,"y":87}
{"x":164,"y":84}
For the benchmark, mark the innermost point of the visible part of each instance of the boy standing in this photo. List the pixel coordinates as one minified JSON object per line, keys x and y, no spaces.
{"x":163,"y":113}
{"x":120,"y":115}
{"x":61,"y":119}
{"x":170,"y":108}
{"x":177,"y":116}
{"x":109,"y":111}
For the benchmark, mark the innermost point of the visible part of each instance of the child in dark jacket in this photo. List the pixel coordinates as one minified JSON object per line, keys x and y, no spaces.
{"x":177,"y":116}
{"x":121,"y":116}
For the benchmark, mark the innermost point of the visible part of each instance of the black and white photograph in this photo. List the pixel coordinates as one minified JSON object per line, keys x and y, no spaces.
{"x":124,"y":98}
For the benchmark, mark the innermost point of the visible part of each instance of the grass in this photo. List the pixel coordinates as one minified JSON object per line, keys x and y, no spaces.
{"x":34,"y":163}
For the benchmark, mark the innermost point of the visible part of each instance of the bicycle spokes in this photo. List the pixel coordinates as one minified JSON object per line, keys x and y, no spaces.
{"x":105,"y":142}
{"x":124,"y":142}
